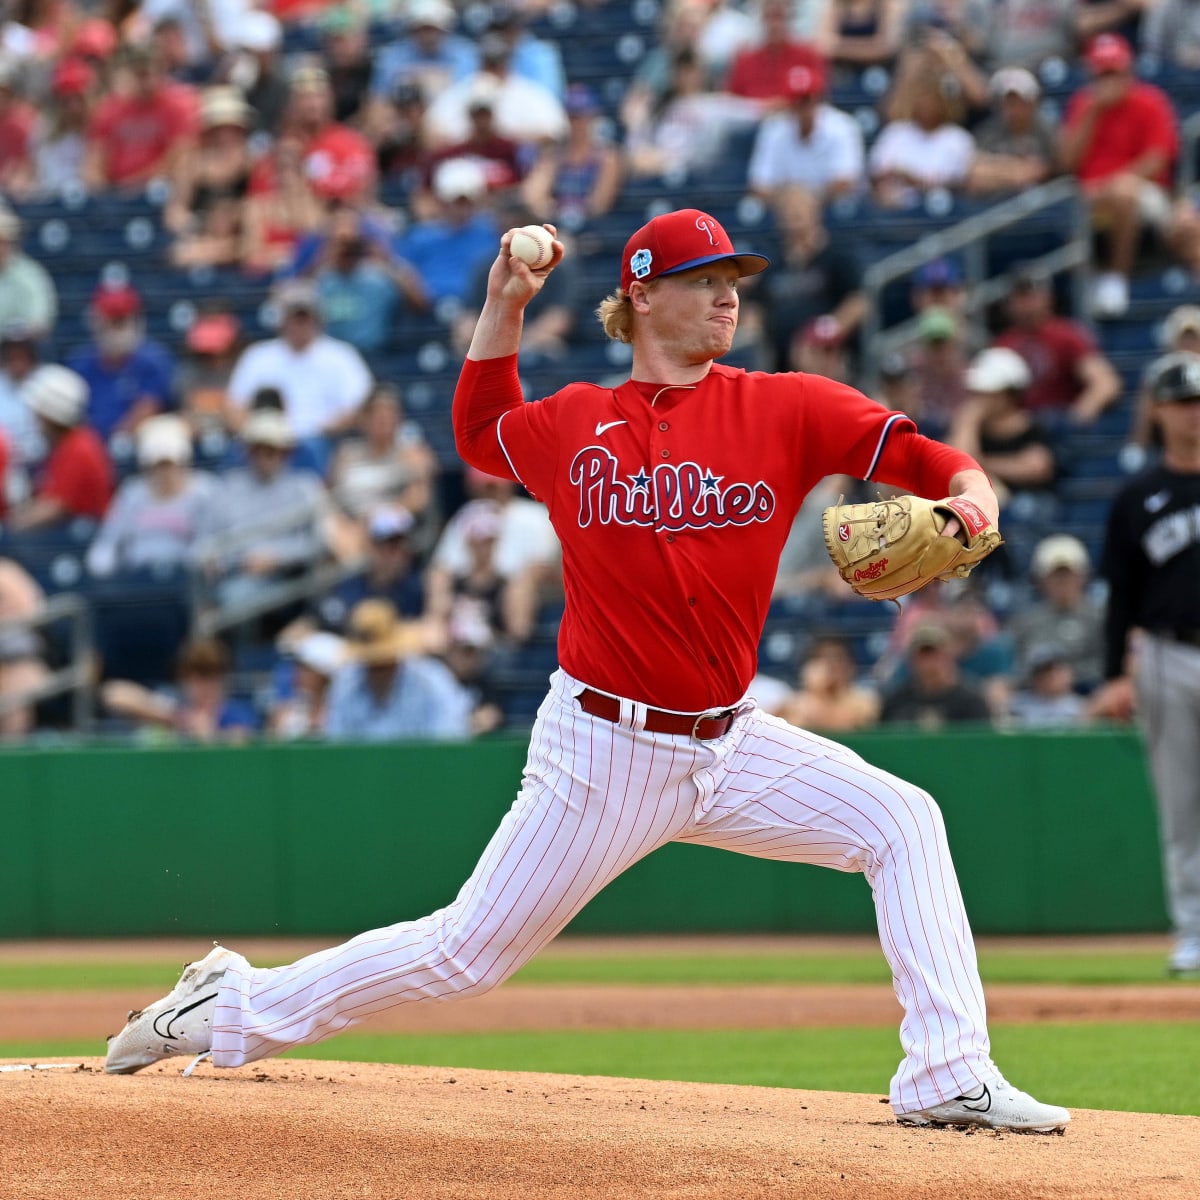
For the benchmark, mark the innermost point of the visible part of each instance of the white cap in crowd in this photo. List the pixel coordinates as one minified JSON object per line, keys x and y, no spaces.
{"x":268,"y":427}
{"x":459,"y":178}
{"x":320,"y":652}
{"x":1057,"y":551}
{"x":57,"y":394}
{"x":388,"y":523}
{"x":998,"y":369}
{"x":165,"y":438}
{"x":1015,"y":80}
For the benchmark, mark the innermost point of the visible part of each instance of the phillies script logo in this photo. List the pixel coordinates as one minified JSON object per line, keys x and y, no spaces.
{"x":671,"y":497}
{"x":872,"y":572}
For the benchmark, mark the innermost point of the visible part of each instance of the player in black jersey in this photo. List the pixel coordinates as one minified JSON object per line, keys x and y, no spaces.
{"x":1152,"y":563}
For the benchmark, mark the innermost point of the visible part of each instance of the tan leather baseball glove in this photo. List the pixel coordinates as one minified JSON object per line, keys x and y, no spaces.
{"x":890,"y":548}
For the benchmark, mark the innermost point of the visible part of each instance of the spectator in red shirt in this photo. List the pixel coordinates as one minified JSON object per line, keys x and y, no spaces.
{"x":338,"y":161}
{"x":1120,"y":140}
{"x":761,"y":73}
{"x":16,"y":127}
{"x":499,"y":156}
{"x":1068,"y":370}
{"x":76,"y":479}
{"x":138,"y":131}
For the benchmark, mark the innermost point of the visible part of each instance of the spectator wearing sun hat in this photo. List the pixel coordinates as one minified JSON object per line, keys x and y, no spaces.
{"x":158,"y":514}
{"x":209,"y":184}
{"x":267,"y":521}
{"x":27,"y":291}
{"x":389,"y":689}
{"x":1120,"y":139}
{"x":129,"y":375}
{"x":76,"y":477}
{"x":300,"y":687}
{"x":1065,"y":615}
{"x":809,"y":143}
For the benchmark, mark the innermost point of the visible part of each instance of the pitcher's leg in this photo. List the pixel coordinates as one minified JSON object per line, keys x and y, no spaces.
{"x":788,"y":794}
{"x":595,"y":799}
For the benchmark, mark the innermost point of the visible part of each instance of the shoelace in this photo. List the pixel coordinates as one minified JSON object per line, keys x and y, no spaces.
{"x":196,"y":1062}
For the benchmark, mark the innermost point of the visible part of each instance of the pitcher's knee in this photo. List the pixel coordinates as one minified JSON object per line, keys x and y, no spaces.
{"x":917,"y":817}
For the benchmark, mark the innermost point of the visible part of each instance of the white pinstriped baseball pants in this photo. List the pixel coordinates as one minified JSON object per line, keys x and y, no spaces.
{"x":597,"y":797}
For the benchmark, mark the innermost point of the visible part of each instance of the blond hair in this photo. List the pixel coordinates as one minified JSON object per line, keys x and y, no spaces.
{"x":616,"y":315}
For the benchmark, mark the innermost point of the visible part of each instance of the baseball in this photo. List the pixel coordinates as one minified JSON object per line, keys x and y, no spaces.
{"x":532,"y":245}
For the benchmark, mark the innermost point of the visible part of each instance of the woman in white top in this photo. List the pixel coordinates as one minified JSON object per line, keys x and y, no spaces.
{"x":923,"y":149}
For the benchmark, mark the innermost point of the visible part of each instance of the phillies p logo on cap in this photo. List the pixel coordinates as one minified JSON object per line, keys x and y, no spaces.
{"x":677,"y":241}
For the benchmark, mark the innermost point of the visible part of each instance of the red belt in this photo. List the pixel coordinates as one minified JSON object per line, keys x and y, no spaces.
{"x":702,"y":726}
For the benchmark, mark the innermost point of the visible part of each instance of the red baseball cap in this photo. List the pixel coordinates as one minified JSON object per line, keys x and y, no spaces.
{"x":213,"y":333}
{"x":115,"y":303}
{"x":94,"y":38}
{"x":677,"y":241}
{"x":1109,"y":52}
{"x":804,"y":81}
{"x":72,"y":77}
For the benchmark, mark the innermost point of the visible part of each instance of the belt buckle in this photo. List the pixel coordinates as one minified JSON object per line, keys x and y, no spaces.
{"x":711,"y":714}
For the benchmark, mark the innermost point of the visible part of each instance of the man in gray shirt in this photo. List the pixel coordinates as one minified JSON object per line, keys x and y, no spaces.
{"x":266,"y":522}
{"x":390,"y":690}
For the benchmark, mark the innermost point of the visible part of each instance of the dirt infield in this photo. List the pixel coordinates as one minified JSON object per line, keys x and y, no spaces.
{"x":293,"y":1130}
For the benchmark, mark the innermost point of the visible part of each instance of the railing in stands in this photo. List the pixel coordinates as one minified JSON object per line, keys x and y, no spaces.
{"x":969,"y":236}
{"x":78,"y":677}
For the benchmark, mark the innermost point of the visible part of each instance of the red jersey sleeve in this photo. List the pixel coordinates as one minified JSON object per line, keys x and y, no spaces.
{"x":496,"y":431}
{"x":843,"y":431}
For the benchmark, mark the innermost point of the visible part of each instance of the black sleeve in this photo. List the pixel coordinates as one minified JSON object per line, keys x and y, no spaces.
{"x":1120,"y":566}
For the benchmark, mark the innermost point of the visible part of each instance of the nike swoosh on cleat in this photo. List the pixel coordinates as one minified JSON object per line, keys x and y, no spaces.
{"x":985,"y":1099}
{"x":600,"y":428}
{"x":176,"y":1014}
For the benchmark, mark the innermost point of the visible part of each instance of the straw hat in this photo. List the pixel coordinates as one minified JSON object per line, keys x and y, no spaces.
{"x":376,"y":635}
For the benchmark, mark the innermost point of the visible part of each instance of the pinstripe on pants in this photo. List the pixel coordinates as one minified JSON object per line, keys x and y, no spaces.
{"x":596,"y":797}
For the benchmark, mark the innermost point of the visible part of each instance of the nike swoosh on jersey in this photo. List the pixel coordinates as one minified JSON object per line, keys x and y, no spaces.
{"x":600,"y":428}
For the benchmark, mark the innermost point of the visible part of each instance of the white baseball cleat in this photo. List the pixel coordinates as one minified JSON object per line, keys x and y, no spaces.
{"x":179,"y":1023}
{"x":995,"y":1105}
{"x":1185,"y":958}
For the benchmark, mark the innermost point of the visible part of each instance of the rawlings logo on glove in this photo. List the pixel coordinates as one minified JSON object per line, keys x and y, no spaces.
{"x":891,"y":548}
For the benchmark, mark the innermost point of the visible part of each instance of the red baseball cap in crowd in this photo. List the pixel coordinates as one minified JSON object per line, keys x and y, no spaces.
{"x":1109,"y":52}
{"x":94,"y":38}
{"x":213,"y":333}
{"x":116,"y":302}
{"x":677,"y":241}
{"x":72,"y":77}
{"x":803,"y":81}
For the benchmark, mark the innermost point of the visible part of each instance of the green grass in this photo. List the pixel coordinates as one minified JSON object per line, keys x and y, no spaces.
{"x":1060,"y":965}
{"x":1136,"y":1068}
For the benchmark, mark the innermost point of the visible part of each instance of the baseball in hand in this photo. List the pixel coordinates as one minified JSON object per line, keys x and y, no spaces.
{"x":533,"y":245}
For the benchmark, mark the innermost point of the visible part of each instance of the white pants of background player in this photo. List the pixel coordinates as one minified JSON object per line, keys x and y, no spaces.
{"x":596,"y":797}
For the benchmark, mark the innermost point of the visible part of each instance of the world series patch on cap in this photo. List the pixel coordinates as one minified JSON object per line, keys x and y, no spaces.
{"x":677,"y":241}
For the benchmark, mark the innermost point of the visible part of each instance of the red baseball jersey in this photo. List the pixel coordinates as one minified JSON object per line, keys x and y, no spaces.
{"x":672,"y":505}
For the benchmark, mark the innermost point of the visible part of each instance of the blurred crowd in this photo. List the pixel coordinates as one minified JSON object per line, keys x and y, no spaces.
{"x":364,"y":178}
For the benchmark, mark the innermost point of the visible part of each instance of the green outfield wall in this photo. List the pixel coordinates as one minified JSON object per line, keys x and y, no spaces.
{"x":1051,"y":833}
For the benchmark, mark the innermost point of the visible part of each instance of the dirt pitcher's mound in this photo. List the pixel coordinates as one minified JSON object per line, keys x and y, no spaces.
{"x":315,"y":1131}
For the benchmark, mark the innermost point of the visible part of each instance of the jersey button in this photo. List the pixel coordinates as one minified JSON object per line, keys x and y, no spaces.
{"x":712,"y":660}
{"x":692,"y":600}
{"x":663,"y":426}
{"x":664,"y":453}
{"x":670,"y":537}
